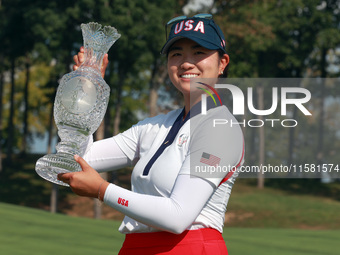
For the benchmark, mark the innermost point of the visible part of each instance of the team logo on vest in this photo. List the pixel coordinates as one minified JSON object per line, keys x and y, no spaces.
{"x":183,"y":138}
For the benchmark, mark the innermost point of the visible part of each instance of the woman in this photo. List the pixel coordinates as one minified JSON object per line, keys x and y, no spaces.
{"x":172,"y":208}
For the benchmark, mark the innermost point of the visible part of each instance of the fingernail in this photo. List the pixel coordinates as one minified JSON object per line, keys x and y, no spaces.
{"x":76,"y":157}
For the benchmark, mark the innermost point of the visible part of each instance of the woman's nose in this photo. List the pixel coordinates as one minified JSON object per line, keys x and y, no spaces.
{"x":187,"y":64}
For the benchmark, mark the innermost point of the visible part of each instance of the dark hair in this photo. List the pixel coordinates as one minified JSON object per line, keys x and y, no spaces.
{"x":225,"y":71}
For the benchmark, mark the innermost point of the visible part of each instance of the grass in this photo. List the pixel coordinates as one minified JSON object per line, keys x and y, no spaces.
{"x":246,"y":241}
{"x":272,"y":208}
{"x":31,"y":231}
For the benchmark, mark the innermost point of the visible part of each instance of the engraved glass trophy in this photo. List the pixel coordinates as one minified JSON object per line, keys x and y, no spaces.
{"x":80,"y":104}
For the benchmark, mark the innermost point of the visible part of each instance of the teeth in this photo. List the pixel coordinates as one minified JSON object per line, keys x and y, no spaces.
{"x":189,"y":75}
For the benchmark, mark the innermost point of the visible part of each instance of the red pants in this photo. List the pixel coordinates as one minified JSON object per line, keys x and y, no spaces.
{"x":194,"y":242}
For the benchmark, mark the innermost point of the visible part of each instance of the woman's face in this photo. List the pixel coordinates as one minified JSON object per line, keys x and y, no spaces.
{"x":187,"y":60}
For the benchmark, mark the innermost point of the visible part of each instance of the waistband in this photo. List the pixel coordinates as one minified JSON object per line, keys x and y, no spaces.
{"x":139,"y":240}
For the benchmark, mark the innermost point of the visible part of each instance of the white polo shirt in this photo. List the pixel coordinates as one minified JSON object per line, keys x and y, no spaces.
{"x":195,"y":144}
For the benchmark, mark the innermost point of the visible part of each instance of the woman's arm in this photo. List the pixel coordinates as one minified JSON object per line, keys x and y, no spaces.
{"x":105,"y":155}
{"x":173,"y":214}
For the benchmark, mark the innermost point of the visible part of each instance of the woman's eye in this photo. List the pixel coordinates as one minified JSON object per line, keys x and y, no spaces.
{"x":176,"y":54}
{"x":199,"y":52}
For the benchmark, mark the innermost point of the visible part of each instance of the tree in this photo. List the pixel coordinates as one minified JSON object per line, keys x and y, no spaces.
{"x":328,"y":37}
{"x":2,"y":70}
{"x":1,"y":95}
{"x":275,"y":39}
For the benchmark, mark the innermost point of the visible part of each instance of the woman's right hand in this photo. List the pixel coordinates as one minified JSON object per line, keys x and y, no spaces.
{"x":79,"y":59}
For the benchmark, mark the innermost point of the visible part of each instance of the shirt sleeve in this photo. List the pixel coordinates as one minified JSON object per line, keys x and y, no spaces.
{"x":215,"y":150}
{"x":128,"y":142}
{"x":173,"y":214}
{"x":113,"y":153}
{"x":119,"y":151}
{"x":105,"y":155}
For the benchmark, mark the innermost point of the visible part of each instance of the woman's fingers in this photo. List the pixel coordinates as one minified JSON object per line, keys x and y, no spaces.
{"x":84,"y":165}
{"x":86,"y":182}
{"x":104,"y":64}
{"x":76,"y":61}
{"x":65,"y":177}
{"x":79,"y":58}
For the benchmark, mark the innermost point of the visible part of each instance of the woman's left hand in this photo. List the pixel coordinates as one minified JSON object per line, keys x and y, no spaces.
{"x":79,"y":59}
{"x":86,"y":182}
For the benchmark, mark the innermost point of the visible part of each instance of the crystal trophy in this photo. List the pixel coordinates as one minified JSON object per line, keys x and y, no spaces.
{"x":80,"y":104}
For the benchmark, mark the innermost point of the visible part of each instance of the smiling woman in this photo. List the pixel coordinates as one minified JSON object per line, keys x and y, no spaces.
{"x":187,"y":60}
{"x":171,"y":209}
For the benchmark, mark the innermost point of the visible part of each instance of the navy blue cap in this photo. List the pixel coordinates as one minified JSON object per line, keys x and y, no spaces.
{"x":203,"y":31}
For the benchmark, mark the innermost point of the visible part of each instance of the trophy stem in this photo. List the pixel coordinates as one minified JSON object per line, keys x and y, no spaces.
{"x":49,"y":166}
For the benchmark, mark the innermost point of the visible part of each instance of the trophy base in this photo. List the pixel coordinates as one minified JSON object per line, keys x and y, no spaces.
{"x":49,"y":166}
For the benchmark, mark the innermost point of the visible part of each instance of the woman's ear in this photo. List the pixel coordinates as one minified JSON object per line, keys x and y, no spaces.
{"x":224,"y":61}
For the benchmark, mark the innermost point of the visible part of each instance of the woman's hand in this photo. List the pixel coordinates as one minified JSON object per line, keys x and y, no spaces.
{"x":79,"y":59}
{"x":86,"y":182}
